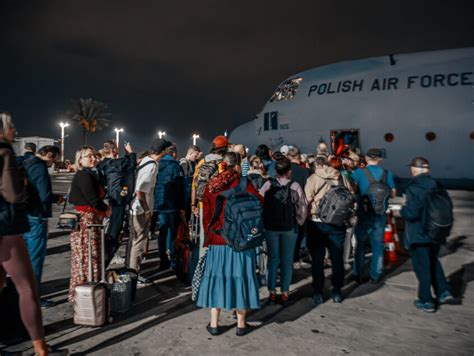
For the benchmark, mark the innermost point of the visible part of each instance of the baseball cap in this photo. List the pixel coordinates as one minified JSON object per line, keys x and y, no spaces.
{"x":419,"y":162}
{"x":284,"y":149}
{"x":220,"y":141}
{"x":374,"y":153}
{"x":159,"y":145}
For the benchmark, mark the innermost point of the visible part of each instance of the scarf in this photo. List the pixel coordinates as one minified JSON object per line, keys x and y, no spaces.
{"x":222,"y":181}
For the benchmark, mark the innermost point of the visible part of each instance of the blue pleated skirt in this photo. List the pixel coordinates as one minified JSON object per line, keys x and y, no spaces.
{"x":229,"y":280}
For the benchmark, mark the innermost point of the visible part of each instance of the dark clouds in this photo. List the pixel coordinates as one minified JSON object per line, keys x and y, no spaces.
{"x":199,"y":66}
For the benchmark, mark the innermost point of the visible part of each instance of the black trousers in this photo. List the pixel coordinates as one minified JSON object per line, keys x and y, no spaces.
{"x":299,"y":238}
{"x":112,"y":234}
{"x":322,"y":236}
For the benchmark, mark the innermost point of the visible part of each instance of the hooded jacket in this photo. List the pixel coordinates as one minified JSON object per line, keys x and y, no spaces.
{"x":170,"y":186}
{"x":40,"y":193}
{"x":412,"y":211}
{"x":13,"y":219}
{"x":319,"y":183}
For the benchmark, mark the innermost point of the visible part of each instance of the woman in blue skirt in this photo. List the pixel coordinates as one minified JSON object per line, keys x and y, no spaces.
{"x":229,"y":279}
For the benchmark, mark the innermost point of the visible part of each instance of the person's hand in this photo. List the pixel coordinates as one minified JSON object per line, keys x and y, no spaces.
{"x":60,"y":199}
{"x":108,"y":212}
{"x":148,"y":214}
{"x":195,"y":210}
{"x":128,"y":148}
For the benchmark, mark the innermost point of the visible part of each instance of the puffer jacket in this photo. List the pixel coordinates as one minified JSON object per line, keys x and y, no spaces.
{"x":412,"y":211}
{"x":170,"y":186}
{"x":40,"y":192}
{"x":319,"y":183}
{"x":13,"y":218}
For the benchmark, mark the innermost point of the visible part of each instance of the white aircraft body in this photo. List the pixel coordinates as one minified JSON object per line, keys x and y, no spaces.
{"x":419,"y":104}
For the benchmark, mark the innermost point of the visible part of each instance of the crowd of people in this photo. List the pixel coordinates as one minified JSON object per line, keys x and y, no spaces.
{"x":294,"y":205}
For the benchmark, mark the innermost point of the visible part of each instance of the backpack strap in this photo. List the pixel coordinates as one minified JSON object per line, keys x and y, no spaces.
{"x":146,"y":164}
{"x":383,"y":179}
{"x":368,"y":175}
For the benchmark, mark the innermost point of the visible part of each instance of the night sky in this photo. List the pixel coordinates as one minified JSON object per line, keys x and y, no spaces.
{"x":196,"y":66}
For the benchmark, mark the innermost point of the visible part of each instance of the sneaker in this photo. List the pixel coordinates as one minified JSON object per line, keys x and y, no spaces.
{"x":117,"y":260}
{"x":272,"y":298}
{"x":356,"y":278}
{"x":375,"y":280}
{"x":336,"y":297}
{"x":142,"y":280}
{"x":317,"y":299}
{"x":445,"y":298}
{"x":425,"y":306}
{"x":305,"y":265}
{"x":46,"y":304}
{"x":284,"y":299}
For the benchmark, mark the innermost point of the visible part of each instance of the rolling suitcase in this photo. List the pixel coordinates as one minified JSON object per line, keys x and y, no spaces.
{"x":91,"y":302}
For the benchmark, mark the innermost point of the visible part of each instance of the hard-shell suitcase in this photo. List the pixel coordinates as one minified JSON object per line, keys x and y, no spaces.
{"x":91,"y":302}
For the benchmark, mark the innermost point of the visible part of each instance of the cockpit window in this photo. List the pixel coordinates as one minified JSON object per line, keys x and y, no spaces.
{"x":286,"y":90}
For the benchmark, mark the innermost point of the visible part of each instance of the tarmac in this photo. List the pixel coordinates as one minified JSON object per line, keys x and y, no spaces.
{"x":372,"y":320}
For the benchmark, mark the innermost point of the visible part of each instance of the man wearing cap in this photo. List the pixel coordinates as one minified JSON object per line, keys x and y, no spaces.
{"x":423,"y":250}
{"x":370,"y":225}
{"x":141,"y":208}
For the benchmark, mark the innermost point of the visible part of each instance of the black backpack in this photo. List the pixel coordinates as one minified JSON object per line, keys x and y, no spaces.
{"x":378,"y":192}
{"x":278,"y":209}
{"x":438,"y":214}
{"x":337,"y":205}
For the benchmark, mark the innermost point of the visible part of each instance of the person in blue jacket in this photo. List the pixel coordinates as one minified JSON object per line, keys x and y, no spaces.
{"x":423,"y":250}
{"x":169,"y":202}
{"x":39,"y":207}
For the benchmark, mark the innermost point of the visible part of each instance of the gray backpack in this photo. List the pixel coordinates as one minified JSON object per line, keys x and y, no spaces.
{"x":337,"y":205}
{"x":378,"y":192}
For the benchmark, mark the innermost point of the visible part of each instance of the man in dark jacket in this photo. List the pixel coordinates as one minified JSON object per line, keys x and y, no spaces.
{"x":169,"y":201}
{"x":30,"y":151}
{"x":118,"y":176}
{"x":39,"y":203}
{"x":423,"y":250}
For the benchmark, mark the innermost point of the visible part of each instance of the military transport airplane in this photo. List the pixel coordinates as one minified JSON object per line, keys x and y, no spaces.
{"x":418,"y":104}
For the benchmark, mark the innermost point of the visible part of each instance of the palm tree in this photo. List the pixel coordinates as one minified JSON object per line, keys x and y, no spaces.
{"x":92,"y":115}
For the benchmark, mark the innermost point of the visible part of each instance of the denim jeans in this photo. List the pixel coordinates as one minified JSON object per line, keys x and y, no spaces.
{"x":167,"y":236}
{"x":281,"y":247}
{"x":370,"y":228}
{"x":428,"y":271}
{"x":36,"y":240}
{"x":322,"y":236}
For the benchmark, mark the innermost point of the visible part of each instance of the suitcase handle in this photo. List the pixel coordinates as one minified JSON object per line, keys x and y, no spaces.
{"x":102,"y":252}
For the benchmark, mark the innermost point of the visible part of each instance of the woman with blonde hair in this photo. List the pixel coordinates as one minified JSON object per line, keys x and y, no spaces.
{"x":14,"y":258}
{"x":87,"y":196}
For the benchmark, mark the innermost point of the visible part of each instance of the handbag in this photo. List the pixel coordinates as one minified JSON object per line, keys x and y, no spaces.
{"x":68,"y":220}
{"x":198,"y":274}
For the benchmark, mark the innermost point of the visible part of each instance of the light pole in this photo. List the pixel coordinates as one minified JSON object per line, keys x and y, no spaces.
{"x":195,"y":137}
{"x":161,"y":134}
{"x":62,"y":125}
{"x":117,"y":137}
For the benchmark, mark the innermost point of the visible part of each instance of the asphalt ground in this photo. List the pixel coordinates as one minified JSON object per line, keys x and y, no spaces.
{"x":372,"y":320}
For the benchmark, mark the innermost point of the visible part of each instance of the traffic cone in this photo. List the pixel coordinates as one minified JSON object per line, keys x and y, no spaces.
{"x":390,"y":253}
{"x":396,"y":237}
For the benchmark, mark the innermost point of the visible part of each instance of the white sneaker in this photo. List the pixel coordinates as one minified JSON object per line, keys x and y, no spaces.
{"x":117,"y":260}
{"x":305,"y":265}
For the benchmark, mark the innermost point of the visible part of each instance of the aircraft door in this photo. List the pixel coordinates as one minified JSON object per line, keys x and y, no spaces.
{"x":345,"y":140}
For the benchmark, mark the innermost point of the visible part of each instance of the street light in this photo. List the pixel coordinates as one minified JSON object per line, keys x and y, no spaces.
{"x":62,"y":125}
{"x":161,"y":134}
{"x":195,"y":137}
{"x":117,"y":137}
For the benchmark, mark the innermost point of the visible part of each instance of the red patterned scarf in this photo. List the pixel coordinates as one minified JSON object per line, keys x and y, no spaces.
{"x":222,"y":181}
